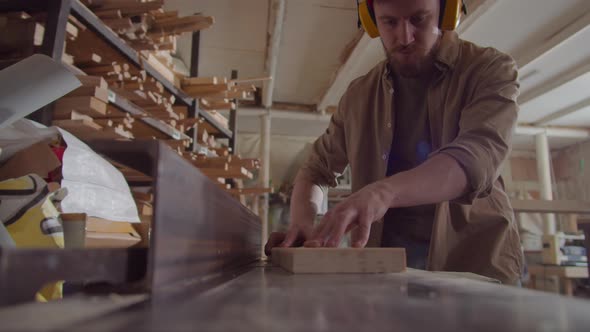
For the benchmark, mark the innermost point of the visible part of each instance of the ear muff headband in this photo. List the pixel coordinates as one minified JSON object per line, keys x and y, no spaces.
{"x":367,"y":18}
{"x":449,"y":18}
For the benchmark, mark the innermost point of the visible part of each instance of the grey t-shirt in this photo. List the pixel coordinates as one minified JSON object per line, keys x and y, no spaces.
{"x":410,"y":147}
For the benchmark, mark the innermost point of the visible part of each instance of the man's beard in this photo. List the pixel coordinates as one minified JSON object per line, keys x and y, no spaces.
{"x":414,"y":69}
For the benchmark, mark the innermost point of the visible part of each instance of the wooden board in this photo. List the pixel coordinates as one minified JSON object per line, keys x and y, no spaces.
{"x":90,"y":106}
{"x":85,"y":130}
{"x":340,"y":260}
{"x":99,"y":93}
{"x":556,"y":206}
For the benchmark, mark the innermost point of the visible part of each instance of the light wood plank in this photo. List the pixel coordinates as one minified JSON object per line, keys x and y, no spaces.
{"x":543,"y":206}
{"x":340,"y":260}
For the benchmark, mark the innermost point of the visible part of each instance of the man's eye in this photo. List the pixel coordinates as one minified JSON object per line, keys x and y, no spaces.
{"x":418,"y":19}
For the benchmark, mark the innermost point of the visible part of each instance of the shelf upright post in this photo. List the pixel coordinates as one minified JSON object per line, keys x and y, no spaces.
{"x":233,"y":119}
{"x":194,"y":71}
{"x":53,"y":45}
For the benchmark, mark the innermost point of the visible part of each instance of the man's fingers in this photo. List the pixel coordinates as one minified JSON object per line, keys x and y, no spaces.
{"x":290,"y":238}
{"x":312,"y":244}
{"x":339,"y":228}
{"x":274,"y":240}
{"x":363,"y":231}
{"x":320,"y":228}
{"x":325,"y":228}
{"x":315,"y":240}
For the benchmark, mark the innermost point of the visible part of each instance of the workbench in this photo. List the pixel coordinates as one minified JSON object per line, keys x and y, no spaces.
{"x":566,"y":274}
{"x":266,"y":298}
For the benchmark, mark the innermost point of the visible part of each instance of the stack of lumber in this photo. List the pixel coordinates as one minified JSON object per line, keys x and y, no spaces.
{"x":119,"y":99}
{"x":88,"y":114}
{"x":217,"y":93}
{"x":148,"y":29}
{"x":226,"y":166}
{"x":17,"y":39}
{"x":144,"y":24}
{"x":84,"y":112}
{"x":95,"y":57}
{"x":215,"y":90}
{"x":22,"y":35}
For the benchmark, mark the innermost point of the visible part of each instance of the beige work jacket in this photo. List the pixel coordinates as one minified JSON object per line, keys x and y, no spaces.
{"x":472,"y":113}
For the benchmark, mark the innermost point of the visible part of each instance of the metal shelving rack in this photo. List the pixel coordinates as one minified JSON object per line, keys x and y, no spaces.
{"x":58,"y":12}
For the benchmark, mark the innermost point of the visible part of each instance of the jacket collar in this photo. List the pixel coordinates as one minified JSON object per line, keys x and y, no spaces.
{"x":448,"y":51}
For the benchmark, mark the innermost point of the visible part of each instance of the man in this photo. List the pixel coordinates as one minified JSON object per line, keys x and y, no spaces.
{"x":425,"y":134}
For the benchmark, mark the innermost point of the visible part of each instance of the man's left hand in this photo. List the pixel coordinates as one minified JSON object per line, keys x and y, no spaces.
{"x":358,"y":211}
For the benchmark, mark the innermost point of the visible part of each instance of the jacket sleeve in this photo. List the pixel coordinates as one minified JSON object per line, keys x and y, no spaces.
{"x":486,"y":127}
{"x":328,"y":157}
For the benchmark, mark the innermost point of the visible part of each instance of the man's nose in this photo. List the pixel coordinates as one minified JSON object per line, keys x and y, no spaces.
{"x":406,"y":33}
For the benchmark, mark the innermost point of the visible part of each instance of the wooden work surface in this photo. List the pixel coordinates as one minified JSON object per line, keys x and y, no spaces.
{"x":565,"y":273}
{"x":340,"y":260}
{"x":574,"y":272}
{"x":267,"y":298}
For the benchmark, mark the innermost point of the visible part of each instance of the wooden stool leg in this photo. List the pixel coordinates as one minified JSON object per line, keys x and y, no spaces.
{"x":568,"y":286}
{"x":533,"y":279}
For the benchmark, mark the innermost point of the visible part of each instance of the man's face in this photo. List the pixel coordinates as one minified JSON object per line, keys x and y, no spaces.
{"x":409,"y":32}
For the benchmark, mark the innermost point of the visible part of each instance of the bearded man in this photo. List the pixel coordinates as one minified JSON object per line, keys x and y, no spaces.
{"x":425,"y":134}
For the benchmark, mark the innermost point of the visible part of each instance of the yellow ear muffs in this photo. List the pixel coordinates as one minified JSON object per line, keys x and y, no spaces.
{"x":367,"y":20}
{"x":449,"y":18}
{"x":451,"y":14}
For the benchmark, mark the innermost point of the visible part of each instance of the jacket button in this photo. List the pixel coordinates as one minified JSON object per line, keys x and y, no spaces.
{"x":389,"y":125}
{"x":391,"y":90}
{"x":384,"y":156}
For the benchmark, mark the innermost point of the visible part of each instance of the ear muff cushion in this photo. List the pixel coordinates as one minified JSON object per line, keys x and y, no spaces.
{"x":367,"y":18}
{"x":450,"y":14}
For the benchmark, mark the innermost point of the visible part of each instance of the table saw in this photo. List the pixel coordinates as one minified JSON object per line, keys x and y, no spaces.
{"x":202,"y":272}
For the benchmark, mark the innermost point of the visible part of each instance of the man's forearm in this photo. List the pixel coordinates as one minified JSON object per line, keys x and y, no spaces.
{"x":438,"y":179}
{"x":306,"y":200}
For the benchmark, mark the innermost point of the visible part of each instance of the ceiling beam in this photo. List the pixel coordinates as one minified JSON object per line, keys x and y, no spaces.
{"x":578,"y":25}
{"x":275,"y":31}
{"x":566,"y":111}
{"x":281,"y":106}
{"x":282,"y":114}
{"x":350,"y":60}
{"x":475,"y":9}
{"x":557,"y":132}
{"x":553,"y":84}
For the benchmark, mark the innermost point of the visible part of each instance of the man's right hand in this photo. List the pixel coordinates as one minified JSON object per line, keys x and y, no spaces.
{"x":295,"y":237}
{"x":305,"y":201}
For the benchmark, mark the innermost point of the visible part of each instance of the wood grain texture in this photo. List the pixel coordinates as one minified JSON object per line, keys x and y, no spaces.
{"x":340,"y":260}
